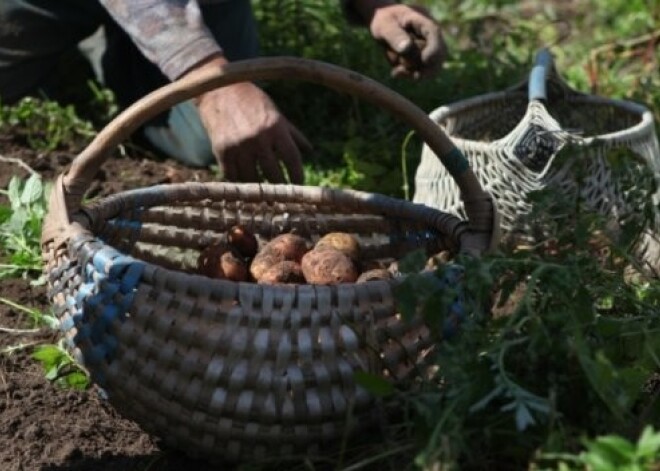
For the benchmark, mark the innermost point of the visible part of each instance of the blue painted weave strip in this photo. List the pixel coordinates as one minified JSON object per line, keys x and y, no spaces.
{"x":105,"y":295}
{"x":125,"y":224}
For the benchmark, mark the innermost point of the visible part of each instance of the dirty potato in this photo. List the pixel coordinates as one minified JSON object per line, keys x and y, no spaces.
{"x":285,"y":272}
{"x":437,"y":260}
{"x":345,"y":243}
{"x":328,"y":266}
{"x":244,"y":240}
{"x":285,"y":247}
{"x":221,"y":260}
{"x":288,"y":247}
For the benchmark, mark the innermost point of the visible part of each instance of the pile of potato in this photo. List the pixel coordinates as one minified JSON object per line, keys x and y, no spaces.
{"x":288,"y":258}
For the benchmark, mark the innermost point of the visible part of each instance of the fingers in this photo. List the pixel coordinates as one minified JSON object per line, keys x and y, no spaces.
{"x":246,"y":161}
{"x":413,"y":38}
{"x":265,"y":153}
{"x":432,"y":47}
{"x":239,"y":164}
{"x":290,"y":154}
{"x":300,"y":138}
{"x":250,"y":137}
{"x":286,"y":145}
{"x":229,"y":167}
{"x":270,"y":167}
{"x":401,"y":71}
{"x":399,"y":41}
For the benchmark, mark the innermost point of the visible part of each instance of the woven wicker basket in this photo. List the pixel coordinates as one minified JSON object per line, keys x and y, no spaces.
{"x":229,"y":370}
{"x":542,"y":134}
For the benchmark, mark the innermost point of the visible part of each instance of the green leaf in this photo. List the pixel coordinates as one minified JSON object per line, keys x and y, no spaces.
{"x":51,"y":373}
{"x":648,"y":444}
{"x":523,"y":417}
{"x":375,"y":384}
{"x":5,"y":213}
{"x":14,"y":192}
{"x":597,"y":462}
{"x":32,"y":190}
{"x":77,"y":380}
{"x":17,"y":221}
{"x":613,"y":450}
{"x":48,"y":355}
{"x":483,"y":402}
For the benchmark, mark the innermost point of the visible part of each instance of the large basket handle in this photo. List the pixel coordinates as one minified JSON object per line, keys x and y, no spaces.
{"x":70,"y":187}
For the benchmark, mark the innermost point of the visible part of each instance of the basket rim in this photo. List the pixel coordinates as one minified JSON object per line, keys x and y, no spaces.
{"x":645,"y":124}
{"x":112,"y":205}
{"x":262,"y":192}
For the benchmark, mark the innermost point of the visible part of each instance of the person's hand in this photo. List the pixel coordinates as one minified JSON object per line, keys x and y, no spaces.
{"x":249,"y":135}
{"x":411,"y":37}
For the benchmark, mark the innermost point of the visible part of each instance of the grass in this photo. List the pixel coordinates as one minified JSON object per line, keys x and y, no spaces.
{"x":565,"y":381}
{"x":492,"y":46}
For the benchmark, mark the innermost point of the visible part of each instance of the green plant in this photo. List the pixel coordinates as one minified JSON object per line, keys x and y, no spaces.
{"x":60,"y":367}
{"x":103,"y":103}
{"x":44,"y":124}
{"x":558,"y":343}
{"x":20,"y":227}
{"x":613,"y":453}
{"x":37,"y":317}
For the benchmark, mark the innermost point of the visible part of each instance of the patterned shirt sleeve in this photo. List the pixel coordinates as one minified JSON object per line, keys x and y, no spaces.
{"x":170,"y":33}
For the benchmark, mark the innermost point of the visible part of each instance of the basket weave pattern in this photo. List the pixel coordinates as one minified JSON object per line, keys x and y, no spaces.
{"x":612,"y":158}
{"x":228,"y":370}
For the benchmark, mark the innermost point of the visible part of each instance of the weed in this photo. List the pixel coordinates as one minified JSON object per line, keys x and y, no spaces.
{"x":37,"y":317}
{"x":60,"y":367}
{"x":20,"y":228}
{"x":45,"y":125}
{"x":571,"y":356}
{"x":613,"y":453}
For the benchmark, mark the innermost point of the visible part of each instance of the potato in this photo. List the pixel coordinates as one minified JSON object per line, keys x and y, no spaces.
{"x":438,"y":260}
{"x":283,"y":272}
{"x":375,"y":274}
{"x":220,"y":260}
{"x":262,"y":262}
{"x":377,"y":263}
{"x":341,"y":241}
{"x":285,"y":247}
{"x":327,"y":266}
{"x":288,"y":247}
{"x":244,"y":240}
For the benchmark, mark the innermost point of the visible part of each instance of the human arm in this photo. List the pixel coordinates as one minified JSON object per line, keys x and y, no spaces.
{"x":247,"y":132}
{"x":411,"y":37}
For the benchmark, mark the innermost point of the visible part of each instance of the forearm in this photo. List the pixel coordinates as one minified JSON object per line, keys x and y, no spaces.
{"x":157,"y":28}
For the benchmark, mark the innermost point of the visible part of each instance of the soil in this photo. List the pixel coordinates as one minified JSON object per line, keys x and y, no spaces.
{"x":44,"y":426}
